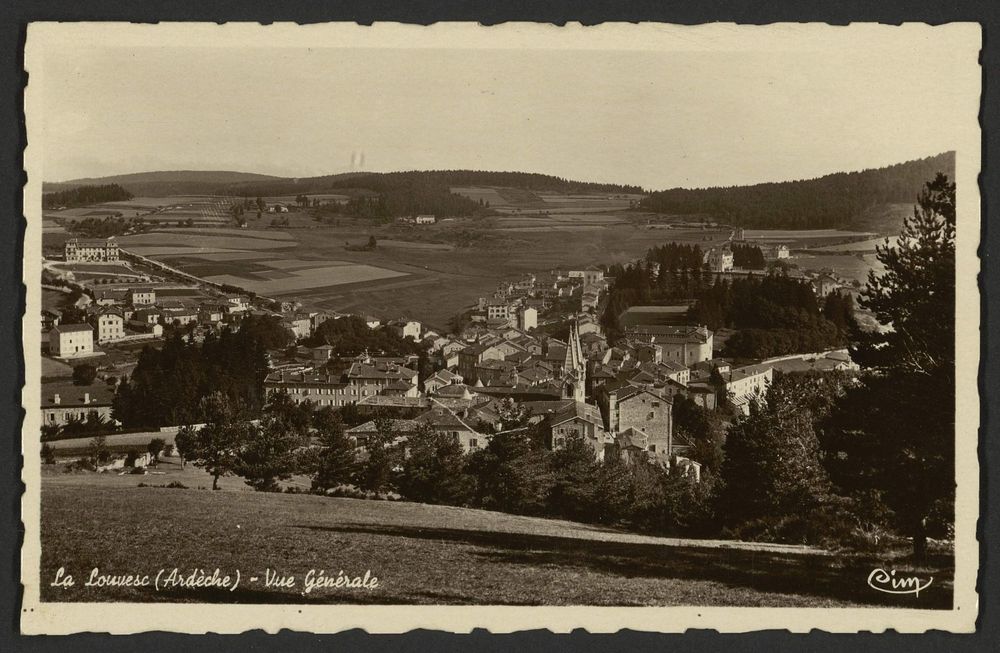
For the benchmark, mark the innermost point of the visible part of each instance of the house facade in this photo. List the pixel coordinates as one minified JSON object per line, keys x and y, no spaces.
{"x":319,"y":388}
{"x":142,"y":296}
{"x":64,"y":402}
{"x":719,"y":259}
{"x":83,"y":250}
{"x":110,"y":325}
{"x":686,"y":345}
{"x":70,"y":340}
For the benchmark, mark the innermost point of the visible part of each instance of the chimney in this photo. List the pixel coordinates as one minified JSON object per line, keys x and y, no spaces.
{"x":86,"y":398}
{"x":56,"y":399}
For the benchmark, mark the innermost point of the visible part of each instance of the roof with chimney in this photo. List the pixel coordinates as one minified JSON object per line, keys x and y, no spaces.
{"x":75,"y":396}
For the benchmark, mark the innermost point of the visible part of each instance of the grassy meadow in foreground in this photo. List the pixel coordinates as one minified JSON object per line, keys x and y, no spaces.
{"x":421,"y":554}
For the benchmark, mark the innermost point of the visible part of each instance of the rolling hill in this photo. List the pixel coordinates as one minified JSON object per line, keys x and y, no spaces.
{"x":839,"y":200}
{"x":166,"y":182}
{"x":170,"y":176}
{"x":873,"y":199}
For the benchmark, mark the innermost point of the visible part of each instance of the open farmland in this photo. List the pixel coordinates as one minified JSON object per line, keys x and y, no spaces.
{"x":190,"y":238}
{"x":430,"y":272}
{"x":516,"y":200}
{"x":296,"y":281}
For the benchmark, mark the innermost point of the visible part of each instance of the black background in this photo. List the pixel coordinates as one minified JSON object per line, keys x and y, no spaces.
{"x":16,"y":14}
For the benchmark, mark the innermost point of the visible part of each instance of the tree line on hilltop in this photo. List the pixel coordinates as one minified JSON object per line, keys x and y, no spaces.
{"x":375,"y":196}
{"x":85,"y":196}
{"x":831,"y":201}
{"x":384,"y":182}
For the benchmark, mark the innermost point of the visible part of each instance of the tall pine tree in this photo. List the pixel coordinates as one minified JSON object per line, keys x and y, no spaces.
{"x":896,"y":433}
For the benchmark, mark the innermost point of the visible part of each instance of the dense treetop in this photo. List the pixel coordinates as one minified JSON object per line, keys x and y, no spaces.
{"x":84,"y":196}
{"x":835,"y":200}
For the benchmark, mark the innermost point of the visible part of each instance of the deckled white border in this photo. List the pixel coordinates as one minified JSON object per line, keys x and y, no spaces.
{"x":61,"y":618}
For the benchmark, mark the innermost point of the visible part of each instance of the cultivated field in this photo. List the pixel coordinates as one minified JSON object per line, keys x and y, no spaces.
{"x":320,"y":277}
{"x":420,"y":554}
{"x":196,"y":239}
{"x":430,"y":272}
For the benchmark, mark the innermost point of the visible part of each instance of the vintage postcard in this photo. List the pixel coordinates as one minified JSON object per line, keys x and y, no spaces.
{"x":627,"y":326}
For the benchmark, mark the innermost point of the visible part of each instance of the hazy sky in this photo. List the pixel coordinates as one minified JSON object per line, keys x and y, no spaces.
{"x":655,"y":118}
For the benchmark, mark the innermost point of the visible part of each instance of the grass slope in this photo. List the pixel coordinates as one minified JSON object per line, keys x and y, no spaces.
{"x":421,"y":554}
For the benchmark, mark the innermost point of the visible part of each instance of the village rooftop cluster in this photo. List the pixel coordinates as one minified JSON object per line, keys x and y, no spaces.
{"x":618,"y":398}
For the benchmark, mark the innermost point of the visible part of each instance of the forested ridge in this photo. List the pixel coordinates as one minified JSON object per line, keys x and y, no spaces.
{"x":84,"y":196}
{"x":835,"y":200}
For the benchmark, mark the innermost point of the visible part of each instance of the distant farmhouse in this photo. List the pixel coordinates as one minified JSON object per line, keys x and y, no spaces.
{"x":80,"y":250}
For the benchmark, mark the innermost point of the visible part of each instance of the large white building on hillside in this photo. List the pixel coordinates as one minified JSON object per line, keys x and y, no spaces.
{"x":686,"y":345}
{"x":91,"y":249}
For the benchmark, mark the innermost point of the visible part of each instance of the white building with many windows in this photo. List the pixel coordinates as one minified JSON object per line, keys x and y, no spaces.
{"x":91,"y":249}
{"x":110,"y":325}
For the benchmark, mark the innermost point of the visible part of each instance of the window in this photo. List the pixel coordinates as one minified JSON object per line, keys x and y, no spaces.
{"x":652,"y":447}
{"x":473,"y":443}
{"x":656,"y":404}
{"x":650,"y":416}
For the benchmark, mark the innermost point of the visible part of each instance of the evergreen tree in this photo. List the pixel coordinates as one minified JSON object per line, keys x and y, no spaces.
{"x":98,"y":450}
{"x":375,"y":473}
{"x":574,"y":488}
{"x":266,"y":454}
{"x":896,"y":433}
{"x":336,"y":460}
{"x":434,"y":469}
{"x":772,"y":471}
{"x":216,"y":445}
{"x":512,"y":471}
{"x":154,"y":448}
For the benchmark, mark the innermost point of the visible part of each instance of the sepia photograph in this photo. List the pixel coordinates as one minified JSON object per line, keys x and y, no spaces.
{"x":517,"y":326}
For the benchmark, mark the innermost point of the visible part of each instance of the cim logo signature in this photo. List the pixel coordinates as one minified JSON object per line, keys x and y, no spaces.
{"x":888,"y":582}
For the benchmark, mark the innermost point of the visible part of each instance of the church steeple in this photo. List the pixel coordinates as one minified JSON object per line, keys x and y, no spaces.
{"x":574,"y":367}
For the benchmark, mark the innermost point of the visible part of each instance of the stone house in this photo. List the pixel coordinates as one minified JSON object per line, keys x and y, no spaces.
{"x":70,"y":340}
